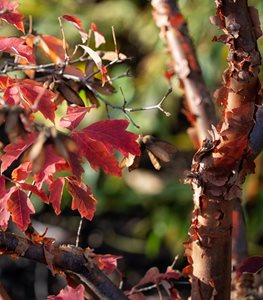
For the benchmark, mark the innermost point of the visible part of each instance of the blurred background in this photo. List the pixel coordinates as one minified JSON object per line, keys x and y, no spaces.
{"x":145,"y":215}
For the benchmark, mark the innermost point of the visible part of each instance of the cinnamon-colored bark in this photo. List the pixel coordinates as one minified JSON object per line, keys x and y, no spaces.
{"x":175,"y":34}
{"x":70,"y":260}
{"x":215,"y":171}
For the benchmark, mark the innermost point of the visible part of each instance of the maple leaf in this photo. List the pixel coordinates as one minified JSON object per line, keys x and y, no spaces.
{"x":56,"y":191}
{"x":31,"y":95}
{"x":252,"y":264}
{"x":21,"y":173}
{"x":17,"y":46}
{"x":77,"y":24}
{"x":13,"y":151}
{"x":97,"y":142}
{"x":50,"y":164}
{"x":99,"y":38}
{"x":9,"y":13}
{"x":32,"y":188}
{"x":69,"y":293}
{"x":74,"y":116}
{"x":82,"y":198}
{"x":6,"y":81}
{"x":114,"y":135}
{"x":4,"y":213}
{"x":20,"y":207}
{"x":97,"y":154}
{"x":52,"y":47}
{"x":106,"y":262}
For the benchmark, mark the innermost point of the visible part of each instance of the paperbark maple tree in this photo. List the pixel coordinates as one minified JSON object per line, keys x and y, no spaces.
{"x":219,"y":167}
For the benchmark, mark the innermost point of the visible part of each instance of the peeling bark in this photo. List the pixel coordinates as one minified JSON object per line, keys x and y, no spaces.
{"x":70,"y":260}
{"x":200,"y":109}
{"x":217,"y":166}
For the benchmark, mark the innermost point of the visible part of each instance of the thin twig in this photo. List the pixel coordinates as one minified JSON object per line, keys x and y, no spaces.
{"x":78,"y":232}
{"x":115,"y":41}
{"x":63,"y":38}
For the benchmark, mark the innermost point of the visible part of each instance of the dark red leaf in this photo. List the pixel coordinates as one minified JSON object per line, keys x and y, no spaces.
{"x":13,"y":151}
{"x":9,"y":13}
{"x":98,"y":155}
{"x":114,"y":135}
{"x":75,"y":161}
{"x":4,"y":213}
{"x":32,"y":188}
{"x":6,"y":81}
{"x":251,"y":264}
{"x":69,"y":293}
{"x":82,"y":198}
{"x":51,"y":164}
{"x":21,"y":208}
{"x":74,"y":116}
{"x":56,"y":191}
{"x":30,"y":95}
{"x":17,"y":46}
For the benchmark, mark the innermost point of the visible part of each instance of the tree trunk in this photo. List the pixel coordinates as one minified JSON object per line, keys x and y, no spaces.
{"x":216,"y":166}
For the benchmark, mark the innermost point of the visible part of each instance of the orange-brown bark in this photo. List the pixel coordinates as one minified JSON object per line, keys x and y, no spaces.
{"x":215,"y":171}
{"x":185,"y":64}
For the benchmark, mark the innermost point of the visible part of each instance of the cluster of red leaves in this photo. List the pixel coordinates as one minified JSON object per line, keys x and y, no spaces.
{"x":48,"y":160}
{"x":44,"y":152}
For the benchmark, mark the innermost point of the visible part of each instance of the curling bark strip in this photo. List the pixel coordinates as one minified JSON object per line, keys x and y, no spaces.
{"x":69,"y":260}
{"x":216,"y":166}
{"x":175,"y":34}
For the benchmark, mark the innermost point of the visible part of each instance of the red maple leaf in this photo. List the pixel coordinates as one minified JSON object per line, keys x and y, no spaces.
{"x":51,"y":164}
{"x":98,"y":155}
{"x":4,"y":213}
{"x":77,"y":23}
{"x":74,"y":116}
{"x":82,"y":198}
{"x":6,"y":81}
{"x":113,"y":134}
{"x":106,"y":262}
{"x":97,"y":142}
{"x":9,"y":13}
{"x":32,"y":188}
{"x":31,"y":95}
{"x":13,"y":151}
{"x":17,"y":46}
{"x":56,"y":191}
{"x":20,"y":207}
{"x":52,"y":47}
{"x":69,"y":293}
{"x":21,"y":173}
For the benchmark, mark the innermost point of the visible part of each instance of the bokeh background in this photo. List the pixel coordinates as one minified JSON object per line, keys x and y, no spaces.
{"x":143,"y":216}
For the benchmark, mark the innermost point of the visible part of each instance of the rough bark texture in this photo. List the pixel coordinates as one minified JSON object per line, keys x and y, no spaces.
{"x":216,"y":166}
{"x":70,"y":260}
{"x":175,"y":34}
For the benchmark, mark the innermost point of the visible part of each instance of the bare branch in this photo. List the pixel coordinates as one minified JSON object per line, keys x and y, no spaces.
{"x":68,"y":259}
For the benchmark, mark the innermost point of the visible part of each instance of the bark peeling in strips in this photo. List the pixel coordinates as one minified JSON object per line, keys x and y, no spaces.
{"x":216,"y":166}
{"x":174,"y":32}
